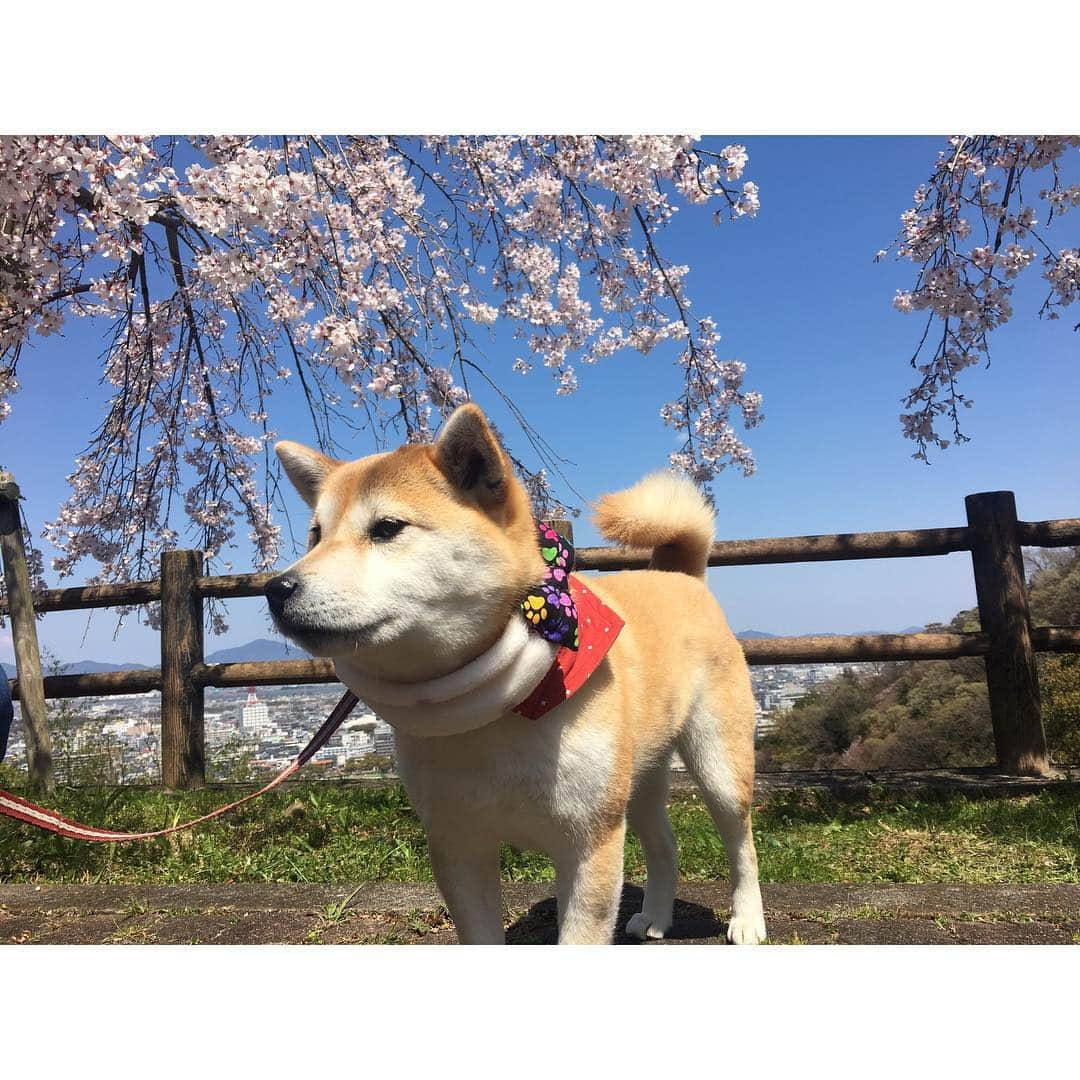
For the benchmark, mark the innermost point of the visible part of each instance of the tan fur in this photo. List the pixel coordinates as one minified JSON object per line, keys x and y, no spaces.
{"x":663,"y":512}
{"x":675,"y":678}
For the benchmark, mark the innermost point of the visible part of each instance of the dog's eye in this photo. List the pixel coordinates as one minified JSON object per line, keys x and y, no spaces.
{"x":314,"y":535}
{"x":386,"y":529}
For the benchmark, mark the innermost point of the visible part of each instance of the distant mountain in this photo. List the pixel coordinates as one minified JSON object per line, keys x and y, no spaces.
{"x":259,"y":649}
{"x":78,"y":667}
{"x":755,"y":635}
{"x":88,"y":667}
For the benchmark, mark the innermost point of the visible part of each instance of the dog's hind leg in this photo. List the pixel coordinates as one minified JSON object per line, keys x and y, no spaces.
{"x":589,"y":888}
{"x":467,"y":873}
{"x":648,"y":817}
{"x":747,"y":925}
{"x":723,"y":769}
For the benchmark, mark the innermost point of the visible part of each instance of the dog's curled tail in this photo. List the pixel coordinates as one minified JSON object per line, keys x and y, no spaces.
{"x":664,"y":512}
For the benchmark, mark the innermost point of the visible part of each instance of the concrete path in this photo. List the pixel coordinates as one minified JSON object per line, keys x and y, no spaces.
{"x":393,"y":913}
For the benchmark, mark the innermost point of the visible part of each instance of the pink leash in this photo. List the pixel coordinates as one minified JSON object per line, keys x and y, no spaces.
{"x":14,"y":807}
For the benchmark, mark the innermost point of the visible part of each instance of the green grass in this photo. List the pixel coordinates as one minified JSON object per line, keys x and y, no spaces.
{"x":328,"y":833}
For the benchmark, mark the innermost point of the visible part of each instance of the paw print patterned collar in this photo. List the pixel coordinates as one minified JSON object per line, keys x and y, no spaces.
{"x":550,"y":608}
{"x":567,"y":613}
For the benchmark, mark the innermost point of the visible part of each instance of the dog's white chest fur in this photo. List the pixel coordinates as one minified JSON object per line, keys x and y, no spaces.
{"x":466,"y":700}
{"x":532,"y":783}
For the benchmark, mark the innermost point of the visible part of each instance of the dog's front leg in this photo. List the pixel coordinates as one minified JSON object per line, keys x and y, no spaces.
{"x":590,"y":886}
{"x":467,"y":872}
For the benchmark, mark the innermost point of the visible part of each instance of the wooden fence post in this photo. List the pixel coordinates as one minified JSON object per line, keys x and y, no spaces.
{"x":563,"y":527}
{"x":35,"y":720}
{"x":1011,"y":676}
{"x":183,"y":738}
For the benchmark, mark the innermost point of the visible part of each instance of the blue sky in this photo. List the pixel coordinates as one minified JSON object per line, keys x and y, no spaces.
{"x":796,"y":296}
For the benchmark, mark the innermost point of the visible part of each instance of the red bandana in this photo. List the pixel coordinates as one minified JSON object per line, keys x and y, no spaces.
{"x":598,"y":628}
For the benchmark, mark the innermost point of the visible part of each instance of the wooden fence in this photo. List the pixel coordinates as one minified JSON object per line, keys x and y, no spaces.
{"x":993,"y":535}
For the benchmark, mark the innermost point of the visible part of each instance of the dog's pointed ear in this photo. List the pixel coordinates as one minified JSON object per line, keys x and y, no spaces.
{"x":307,"y":469}
{"x":470,"y":457}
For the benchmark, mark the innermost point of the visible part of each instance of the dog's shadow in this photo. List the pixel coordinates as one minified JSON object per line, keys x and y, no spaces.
{"x":693,"y":922}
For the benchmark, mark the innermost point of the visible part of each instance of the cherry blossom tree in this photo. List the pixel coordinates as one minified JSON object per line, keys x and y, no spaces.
{"x":362,"y":270}
{"x":974,"y":227}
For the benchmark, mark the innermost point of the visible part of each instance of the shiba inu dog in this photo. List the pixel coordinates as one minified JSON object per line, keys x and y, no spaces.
{"x":418,"y":563}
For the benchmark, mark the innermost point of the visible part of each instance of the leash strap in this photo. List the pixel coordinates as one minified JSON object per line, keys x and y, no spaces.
{"x":22,"y":810}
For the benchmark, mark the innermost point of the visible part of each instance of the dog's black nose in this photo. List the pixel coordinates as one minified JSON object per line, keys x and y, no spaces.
{"x":279,"y":589}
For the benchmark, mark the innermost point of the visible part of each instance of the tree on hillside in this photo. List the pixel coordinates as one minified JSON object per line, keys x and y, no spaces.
{"x":1055,"y":601}
{"x":363,"y":270}
{"x":1055,"y":586}
{"x":909,"y":716}
{"x":936,"y":714}
{"x":1059,"y":683}
{"x":976,"y":224}
{"x":932,"y":716}
{"x":821,"y":725}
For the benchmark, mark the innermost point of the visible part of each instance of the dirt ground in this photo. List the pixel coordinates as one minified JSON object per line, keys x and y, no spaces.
{"x":413,"y":914}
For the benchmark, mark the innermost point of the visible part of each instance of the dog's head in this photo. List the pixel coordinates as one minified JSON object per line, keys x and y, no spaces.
{"x":416,"y":558}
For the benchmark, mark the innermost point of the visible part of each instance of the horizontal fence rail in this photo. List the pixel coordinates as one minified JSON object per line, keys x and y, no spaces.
{"x":265,"y":673}
{"x":993,"y":536}
{"x":829,"y":547}
{"x":760,"y":652}
{"x":1061,"y":532}
{"x":791,"y":549}
{"x":80,"y":597}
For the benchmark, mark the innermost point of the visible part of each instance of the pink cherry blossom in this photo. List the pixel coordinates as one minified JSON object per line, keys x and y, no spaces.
{"x":966,"y":291}
{"x":366,"y":271}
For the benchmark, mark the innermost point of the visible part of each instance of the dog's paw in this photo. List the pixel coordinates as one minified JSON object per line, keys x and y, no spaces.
{"x":746,"y":930}
{"x":643,"y":927}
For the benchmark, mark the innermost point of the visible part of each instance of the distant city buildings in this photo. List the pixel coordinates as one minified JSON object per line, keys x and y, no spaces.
{"x":778,"y":688}
{"x":246,"y":734}
{"x":119,"y":737}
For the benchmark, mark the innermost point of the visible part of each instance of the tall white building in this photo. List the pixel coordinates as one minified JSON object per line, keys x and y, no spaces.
{"x":255,"y":716}
{"x":763,"y":723}
{"x":384,"y":738}
{"x":358,"y":736}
